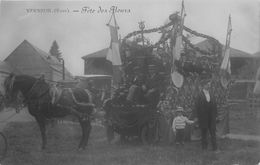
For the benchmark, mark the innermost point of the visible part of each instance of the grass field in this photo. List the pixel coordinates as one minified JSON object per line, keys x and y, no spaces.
{"x":24,"y":149}
{"x":243,"y":120}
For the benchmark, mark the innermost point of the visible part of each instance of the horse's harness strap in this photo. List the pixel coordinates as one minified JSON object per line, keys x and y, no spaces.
{"x":73,"y":111}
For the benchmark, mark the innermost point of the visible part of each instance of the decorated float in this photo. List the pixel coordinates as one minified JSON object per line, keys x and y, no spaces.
{"x":175,"y":68}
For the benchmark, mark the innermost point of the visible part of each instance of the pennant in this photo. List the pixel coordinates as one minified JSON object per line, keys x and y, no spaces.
{"x":113,"y":53}
{"x":225,"y":68}
{"x":177,"y":48}
{"x":177,"y":78}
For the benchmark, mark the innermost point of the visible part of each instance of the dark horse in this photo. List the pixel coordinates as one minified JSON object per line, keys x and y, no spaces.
{"x":36,"y":96}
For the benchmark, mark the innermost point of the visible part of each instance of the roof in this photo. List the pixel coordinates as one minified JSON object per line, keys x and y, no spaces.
{"x":50,"y":60}
{"x":6,"y":68}
{"x":257,"y":54}
{"x":234,"y":53}
{"x":98,"y":54}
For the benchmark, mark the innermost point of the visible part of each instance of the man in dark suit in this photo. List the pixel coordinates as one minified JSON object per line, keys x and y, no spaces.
{"x":206,"y":112}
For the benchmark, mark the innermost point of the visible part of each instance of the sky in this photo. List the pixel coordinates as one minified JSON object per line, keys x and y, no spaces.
{"x":79,"y":34}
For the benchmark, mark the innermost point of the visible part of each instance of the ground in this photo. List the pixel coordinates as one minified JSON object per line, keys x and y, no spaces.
{"x":24,"y":149}
{"x":243,"y":120}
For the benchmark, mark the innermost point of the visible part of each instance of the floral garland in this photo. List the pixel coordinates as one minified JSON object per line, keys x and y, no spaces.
{"x":207,"y":60}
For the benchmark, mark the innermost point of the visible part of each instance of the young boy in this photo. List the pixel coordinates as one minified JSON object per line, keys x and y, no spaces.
{"x":178,"y":125}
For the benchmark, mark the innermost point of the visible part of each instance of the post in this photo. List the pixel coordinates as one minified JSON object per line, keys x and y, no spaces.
{"x":63,"y":69}
{"x":142,"y":26}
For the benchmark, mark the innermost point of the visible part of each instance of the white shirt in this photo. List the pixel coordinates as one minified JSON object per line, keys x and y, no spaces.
{"x":206,"y":93}
{"x":179,"y":122}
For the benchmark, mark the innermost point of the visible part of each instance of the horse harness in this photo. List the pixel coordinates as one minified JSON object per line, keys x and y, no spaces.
{"x":27,"y":96}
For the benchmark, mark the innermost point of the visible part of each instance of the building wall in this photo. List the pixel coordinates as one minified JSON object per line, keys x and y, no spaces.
{"x":98,"y":66}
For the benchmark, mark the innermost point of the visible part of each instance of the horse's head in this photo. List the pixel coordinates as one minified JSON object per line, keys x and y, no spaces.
{"x":13,"y":96}
{"x":17,"y":88}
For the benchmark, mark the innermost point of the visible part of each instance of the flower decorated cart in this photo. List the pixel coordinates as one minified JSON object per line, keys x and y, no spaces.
{"x":174,"y":67}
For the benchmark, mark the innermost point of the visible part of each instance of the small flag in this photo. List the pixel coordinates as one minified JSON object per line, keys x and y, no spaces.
{"x":177,"y":78}
{"x":113,"y":54}
{"x":225,"y":68}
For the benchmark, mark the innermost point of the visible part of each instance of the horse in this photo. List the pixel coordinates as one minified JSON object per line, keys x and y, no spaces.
{"x":36,"y":96}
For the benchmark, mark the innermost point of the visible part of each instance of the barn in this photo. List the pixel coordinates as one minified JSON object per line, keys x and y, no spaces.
{"x":30,"y":60}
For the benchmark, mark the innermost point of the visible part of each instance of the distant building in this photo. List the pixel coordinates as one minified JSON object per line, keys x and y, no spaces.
{"x":33,"y":61}
{"x":243,"y":70}
{"x":96,"y":63}
{"x":243,"y":64}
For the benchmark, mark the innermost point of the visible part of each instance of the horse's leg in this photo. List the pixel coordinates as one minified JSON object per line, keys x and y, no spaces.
{"x":83,"y":136}
{"x":88,"y":127}
{"x":41,"y":122}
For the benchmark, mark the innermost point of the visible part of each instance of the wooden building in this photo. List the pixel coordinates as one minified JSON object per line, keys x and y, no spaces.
{"x":30,"y":60}
{"x":96,"y":63}
{"x":243,"y":70}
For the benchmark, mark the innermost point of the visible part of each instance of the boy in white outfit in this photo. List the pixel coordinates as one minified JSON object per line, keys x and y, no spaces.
{"x":178,"y":125}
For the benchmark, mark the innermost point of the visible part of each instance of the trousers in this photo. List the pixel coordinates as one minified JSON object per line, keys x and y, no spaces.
{"x":204,"y":138}
{"x":179,"y":136}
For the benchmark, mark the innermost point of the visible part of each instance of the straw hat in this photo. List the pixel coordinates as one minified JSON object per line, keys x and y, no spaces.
{"x":179,"y":109}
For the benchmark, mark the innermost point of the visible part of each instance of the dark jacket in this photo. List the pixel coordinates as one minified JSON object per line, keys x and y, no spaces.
{"x":206,"y":112}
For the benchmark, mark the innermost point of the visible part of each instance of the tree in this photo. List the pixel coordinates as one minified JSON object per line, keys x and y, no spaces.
{"x":54,"y":51}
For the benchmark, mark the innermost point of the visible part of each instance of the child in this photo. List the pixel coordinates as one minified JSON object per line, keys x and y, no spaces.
{"x":178,"y":125}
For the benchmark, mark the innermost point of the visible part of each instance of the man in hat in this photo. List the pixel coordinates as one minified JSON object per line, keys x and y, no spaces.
{"x":179,"y":124}
{"x":206,"y":112}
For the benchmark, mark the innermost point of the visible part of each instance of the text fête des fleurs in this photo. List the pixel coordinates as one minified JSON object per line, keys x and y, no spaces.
{"x":101,"y":10}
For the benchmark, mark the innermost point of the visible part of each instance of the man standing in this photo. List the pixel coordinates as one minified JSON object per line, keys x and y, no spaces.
{"x":206,"y":112}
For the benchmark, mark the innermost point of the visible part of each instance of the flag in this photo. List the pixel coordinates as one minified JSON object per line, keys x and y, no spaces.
{"x":178,"y":43}
{"x":225,"y":68}
{"x":113,"y":53}
{"x":177,"y":78}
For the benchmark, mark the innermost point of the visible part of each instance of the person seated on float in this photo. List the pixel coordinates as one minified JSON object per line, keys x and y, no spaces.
{"x":135,"y":93}
{"x":153,"y":83}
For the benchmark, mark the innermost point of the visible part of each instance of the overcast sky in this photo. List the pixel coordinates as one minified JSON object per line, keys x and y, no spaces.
{"x":79,"y":34}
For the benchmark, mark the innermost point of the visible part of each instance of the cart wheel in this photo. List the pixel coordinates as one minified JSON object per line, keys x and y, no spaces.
{"x":3,"y":146}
